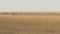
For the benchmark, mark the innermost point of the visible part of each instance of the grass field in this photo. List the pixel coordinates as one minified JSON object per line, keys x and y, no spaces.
{"x":29,"y":24}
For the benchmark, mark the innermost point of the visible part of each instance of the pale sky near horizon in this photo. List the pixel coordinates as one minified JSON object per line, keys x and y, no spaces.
{"x":29,"y":5}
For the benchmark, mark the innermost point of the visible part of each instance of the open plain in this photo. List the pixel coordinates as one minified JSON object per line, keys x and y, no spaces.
{"x":29,"y":24}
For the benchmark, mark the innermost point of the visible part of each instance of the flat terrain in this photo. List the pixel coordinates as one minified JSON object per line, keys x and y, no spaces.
{"x":29,"y":24}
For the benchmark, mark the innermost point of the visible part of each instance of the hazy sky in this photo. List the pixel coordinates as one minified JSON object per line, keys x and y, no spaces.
{"x":29,"y":5}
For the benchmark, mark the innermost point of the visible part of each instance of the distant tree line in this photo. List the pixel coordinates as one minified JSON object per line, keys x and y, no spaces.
{"x":31,"y":13}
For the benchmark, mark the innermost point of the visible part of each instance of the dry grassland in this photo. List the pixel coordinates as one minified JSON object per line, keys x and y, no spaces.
{"x":29,"y":24}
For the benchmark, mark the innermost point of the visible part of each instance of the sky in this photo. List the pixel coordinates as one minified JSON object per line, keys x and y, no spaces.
{"x":29,"y":5}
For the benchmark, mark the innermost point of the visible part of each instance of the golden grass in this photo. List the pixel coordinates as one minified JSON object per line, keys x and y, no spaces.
{"x":29,"y":24}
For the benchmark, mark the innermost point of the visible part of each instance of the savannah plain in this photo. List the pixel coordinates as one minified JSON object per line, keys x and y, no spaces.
{"x":29,"y":23}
